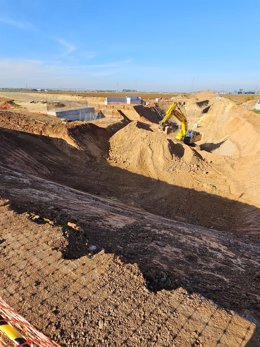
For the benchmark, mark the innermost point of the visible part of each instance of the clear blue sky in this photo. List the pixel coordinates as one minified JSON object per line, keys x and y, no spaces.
{"x":165,"y":45}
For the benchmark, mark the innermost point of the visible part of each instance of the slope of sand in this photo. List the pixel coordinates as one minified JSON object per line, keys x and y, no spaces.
{"x":235,"y":133}
{"x":149,"y":152}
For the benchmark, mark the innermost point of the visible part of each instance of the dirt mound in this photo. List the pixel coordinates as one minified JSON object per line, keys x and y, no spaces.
{"x":148,"y":113}
{"x":34,"y":154}
{"x":149,"y":152}
{"x":24,"y":122}
{"x":234,"y":123}
{"x":139,"y":113}
{"x":234,"y":134}
{"x":89,"y":138}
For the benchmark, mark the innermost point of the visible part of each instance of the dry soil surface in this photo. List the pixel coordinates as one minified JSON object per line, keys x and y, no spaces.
{"x":106,"y":274}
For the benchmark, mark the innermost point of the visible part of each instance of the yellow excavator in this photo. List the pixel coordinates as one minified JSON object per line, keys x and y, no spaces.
{"x":189,"y":137}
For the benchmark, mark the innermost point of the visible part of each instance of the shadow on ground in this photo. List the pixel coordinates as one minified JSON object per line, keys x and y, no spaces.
{"x":210,"y":146}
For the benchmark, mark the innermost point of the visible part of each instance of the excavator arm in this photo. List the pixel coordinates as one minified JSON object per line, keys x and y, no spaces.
{"x":174,"y":110}
{"x":168,"y":113}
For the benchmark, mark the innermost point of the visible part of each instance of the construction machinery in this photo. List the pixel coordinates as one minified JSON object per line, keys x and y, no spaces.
{"x":189,"y":137}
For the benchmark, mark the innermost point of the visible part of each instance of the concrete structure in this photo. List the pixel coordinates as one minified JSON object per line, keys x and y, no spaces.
{"x":81,"y":114}
{"x":257,"y":105}
{"x":136,"y":100}
{"x":114,"y":100}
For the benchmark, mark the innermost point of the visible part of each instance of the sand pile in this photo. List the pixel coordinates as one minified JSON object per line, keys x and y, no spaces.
{"x":89,"y":138}
{"x":24,"y":122}
{"x":233,"y":133}
{"x":149,"y":114}
{"x":234,"y":124}
{"x":141,"y":149}
{"x":149,"y":152}
{"x":202,"y":177}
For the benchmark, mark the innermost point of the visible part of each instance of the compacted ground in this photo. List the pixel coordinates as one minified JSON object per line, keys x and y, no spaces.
{"x":117,"y":235}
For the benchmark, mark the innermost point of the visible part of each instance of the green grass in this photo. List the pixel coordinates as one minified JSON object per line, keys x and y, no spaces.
{"x":257,"y":111}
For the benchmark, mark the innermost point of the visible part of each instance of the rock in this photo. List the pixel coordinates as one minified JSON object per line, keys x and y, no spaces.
{"x":92,"y":248}
{"x":100,"y":324}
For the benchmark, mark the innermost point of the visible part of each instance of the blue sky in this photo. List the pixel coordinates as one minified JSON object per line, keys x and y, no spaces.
{"x":165,"y":45}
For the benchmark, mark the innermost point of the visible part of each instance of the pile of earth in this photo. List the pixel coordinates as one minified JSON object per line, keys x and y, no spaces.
{"x":144,"y":150}
{"x":86,"y":137}
{"x":134,"y":162}
{"x":232,"y":132}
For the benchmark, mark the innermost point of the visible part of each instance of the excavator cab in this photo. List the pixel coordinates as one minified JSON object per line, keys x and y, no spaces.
{"x":191,"y":137}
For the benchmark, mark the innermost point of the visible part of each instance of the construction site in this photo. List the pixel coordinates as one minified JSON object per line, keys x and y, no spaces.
{"x":129,"y":220}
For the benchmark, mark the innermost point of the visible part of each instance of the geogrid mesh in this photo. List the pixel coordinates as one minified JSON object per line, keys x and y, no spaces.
{"x":31,"y":335}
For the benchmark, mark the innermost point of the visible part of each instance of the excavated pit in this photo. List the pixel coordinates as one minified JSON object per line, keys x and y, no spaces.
{"x":130,"y":161}
{"x":129,"y":168}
